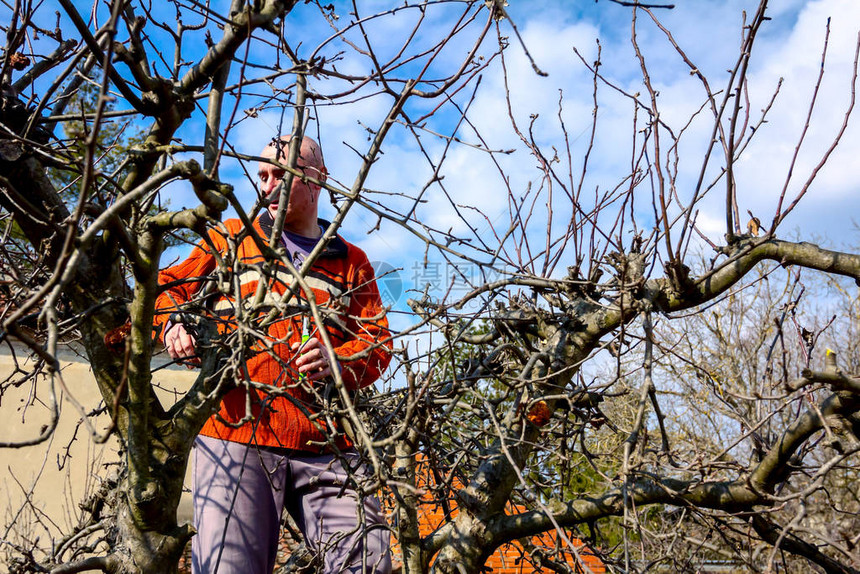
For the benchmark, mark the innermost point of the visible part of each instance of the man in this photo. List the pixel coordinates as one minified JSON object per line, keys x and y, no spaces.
{"x":262,"y":451}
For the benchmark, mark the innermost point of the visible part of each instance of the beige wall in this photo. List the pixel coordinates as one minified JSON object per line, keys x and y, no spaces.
{"x":53,"y":482}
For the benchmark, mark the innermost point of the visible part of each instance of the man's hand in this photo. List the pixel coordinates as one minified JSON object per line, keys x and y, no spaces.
{"x":313,"y":361}
{"x":181,"y":345}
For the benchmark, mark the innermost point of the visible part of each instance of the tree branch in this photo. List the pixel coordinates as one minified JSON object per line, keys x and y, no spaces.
{"x":773,"y":534}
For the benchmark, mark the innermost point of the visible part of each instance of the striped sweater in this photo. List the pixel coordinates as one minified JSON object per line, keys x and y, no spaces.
{"x":345,"y":291}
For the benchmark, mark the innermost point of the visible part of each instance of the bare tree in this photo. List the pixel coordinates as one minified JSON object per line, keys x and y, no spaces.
{"x":564,"y":379}
{"x":86,"y":266}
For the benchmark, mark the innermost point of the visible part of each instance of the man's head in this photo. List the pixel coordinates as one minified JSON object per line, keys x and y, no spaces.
{"x":301,"y":215}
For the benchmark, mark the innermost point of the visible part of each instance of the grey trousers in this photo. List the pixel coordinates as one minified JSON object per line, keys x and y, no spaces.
{"x":238,"y":494}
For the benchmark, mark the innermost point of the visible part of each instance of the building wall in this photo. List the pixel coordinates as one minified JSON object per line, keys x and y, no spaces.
{"x":41,"y":485}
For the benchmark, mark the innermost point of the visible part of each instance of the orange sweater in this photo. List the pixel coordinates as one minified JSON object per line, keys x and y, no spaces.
{"x":345,"y":291}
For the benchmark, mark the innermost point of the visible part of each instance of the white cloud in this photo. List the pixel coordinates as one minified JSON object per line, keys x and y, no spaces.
{"x":789,"y":47}
{"x":709,"y":32}
{"x":797,"y":60}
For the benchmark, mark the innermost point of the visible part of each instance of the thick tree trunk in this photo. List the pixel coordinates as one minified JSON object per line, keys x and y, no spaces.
{"x":146,"y":551}
{"x":465,"y":550}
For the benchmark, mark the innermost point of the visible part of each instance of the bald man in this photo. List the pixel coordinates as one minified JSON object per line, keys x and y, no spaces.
{"x":261,"y":452}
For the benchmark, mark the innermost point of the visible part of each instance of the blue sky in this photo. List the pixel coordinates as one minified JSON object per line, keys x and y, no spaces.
{"x":789,"y":47}
{"x":475,"y":200}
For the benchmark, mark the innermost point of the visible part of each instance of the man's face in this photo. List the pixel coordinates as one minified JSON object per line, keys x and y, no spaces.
{"x":302,"y":208}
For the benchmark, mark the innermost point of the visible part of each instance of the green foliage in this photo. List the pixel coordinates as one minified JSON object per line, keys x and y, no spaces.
{"x":110,"y":158}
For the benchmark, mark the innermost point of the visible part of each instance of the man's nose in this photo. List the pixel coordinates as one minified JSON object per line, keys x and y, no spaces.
{"x":270,"y":185}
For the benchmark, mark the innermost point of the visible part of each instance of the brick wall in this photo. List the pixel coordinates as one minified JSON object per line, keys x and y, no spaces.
{"x":517,"y":557}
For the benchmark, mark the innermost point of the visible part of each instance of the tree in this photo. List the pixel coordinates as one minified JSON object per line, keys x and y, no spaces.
{"x":576,"y":399}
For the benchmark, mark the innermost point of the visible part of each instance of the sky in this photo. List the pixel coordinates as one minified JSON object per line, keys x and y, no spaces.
{"x":789,"y":47}
{"x":478,"y":192}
